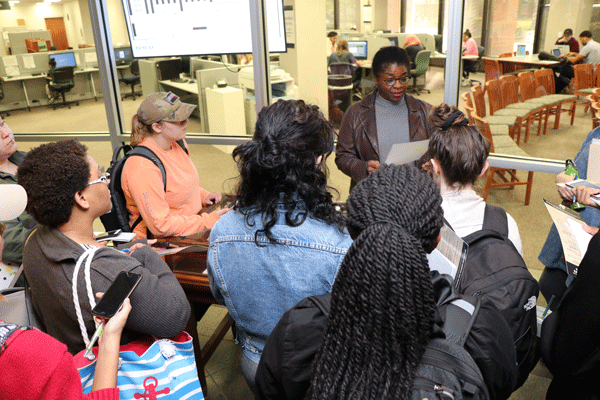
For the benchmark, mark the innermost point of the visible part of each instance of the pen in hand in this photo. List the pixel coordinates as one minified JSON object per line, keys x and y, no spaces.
{"x":89,"y":354}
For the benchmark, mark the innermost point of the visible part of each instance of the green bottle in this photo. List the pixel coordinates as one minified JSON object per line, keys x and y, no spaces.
{"x":571,"y":170}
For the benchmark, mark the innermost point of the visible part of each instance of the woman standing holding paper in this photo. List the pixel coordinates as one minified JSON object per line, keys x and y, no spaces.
{"x":385,"y":117}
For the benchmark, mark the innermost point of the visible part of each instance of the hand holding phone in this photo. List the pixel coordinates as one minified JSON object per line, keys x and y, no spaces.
{"x":119,"y":290}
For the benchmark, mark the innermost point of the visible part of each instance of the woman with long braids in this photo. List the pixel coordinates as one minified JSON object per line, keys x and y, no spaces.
{"x":367,"y":351}
{"x":284,"y":240}
{"x":383,"y":306}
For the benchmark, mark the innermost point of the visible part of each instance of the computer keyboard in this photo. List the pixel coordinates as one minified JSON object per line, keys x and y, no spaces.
{"x":179,"y":80}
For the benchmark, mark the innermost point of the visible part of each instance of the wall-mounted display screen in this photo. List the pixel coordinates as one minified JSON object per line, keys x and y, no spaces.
{"x":160,"y":28}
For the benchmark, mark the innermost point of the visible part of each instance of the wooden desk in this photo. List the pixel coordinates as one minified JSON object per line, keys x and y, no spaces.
{"x":190,"y":270}
{"x":522,"y":62}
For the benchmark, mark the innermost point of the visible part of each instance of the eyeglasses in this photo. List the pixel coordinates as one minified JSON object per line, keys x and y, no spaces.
{"x":390,"y":81}
{"x":103,"y":178}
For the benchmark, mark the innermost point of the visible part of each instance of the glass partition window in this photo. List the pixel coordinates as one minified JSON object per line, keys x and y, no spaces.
{"x":60,"y":31}
{"x":349,"y":14}
{"x":422,"y":16}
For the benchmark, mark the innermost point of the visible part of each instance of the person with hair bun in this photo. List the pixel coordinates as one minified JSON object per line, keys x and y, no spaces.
{"x":383,"y":306}
{"x":284,"y":239}
{"x":385,"y":117}
{"x":457,"y":156}
{"x":161,"y":125}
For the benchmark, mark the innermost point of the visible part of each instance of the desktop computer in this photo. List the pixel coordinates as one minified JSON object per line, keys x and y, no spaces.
{"x":358,"y":49}
{"x":123,"y":55}
{"x":64,"y":59}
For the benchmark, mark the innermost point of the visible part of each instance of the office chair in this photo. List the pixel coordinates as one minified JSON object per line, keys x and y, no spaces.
{"x":421,"y":68}
{"x":5,"y":113}
{"x":341,"y":87}
{"x":472,"y":66}
{"x":132,"y":78}
{"x":62,"y":83}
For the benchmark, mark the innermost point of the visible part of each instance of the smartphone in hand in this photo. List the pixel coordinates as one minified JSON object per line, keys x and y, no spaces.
{"x":123,"y":285}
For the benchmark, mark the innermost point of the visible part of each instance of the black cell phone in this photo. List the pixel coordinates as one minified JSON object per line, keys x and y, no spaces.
{"x":116,"y":294}
{"x":108,"y":234}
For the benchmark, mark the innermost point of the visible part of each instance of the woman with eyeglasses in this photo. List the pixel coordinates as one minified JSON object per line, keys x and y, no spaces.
{"x":160,"y":124}
{"x":66,"y":193}
{"x":385,"y":117}
{"x":17,"y":229}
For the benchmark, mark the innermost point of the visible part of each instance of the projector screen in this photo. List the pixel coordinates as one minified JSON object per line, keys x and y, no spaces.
{"x":198,"y":27}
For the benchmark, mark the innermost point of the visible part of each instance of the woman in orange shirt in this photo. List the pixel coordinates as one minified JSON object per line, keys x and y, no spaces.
{"x":161,"y":124}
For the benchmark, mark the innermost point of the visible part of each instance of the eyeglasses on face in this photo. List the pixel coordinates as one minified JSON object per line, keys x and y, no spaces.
{"x":103,"y":178}
{"x":403,"y":80}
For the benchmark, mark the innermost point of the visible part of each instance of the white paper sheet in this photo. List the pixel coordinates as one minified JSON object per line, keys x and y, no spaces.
{"x":402,"y":153}
{"x":11,"y":66}
{"x":28,"y":61}
{"x":583,"y":238}
{"x":565,"y":221}
{"x":90,"y":57}
{"x":593,"y":169}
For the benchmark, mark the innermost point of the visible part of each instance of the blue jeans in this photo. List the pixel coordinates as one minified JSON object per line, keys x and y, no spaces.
{"x":248,"y":370}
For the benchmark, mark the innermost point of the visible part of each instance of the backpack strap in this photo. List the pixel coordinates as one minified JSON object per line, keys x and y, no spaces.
{"x":145,"y":152}
{"x":495,"y":219}
{"x":460,"y":316}
{"x":322,"y":305}
{"x":180,"y":142}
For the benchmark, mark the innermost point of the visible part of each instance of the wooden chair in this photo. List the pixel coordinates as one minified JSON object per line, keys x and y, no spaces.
{"x":509,"y":87}
{"x":530,"y":93}
{"x":468,"y":106}
{"x":507,"y":68}
{"x":501,"y":132}
{"x":583,"y":82}
{"x":513,"y":122}
{"x":595,"y":107}
{"x":545,"y":77}
{"x":507,"y":177}
{"x":491,"y":68}
{"x":496,"y":105}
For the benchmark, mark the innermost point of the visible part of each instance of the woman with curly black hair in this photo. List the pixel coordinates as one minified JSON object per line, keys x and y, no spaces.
{"x":284,"y":240}
{"x":66,"y":193}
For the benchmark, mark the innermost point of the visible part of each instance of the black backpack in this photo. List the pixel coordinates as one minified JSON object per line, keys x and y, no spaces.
{"x":118,"y":217}
{"x":494,"y":269}
{"x":446,"y":370}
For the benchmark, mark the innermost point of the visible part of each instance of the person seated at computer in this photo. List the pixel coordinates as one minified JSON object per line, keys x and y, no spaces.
{"x":412,"y":47}
{"x":383,"y":118}
{"x":568,"y":39}
{"x":161,"y":124}
{"x":66,"y":193}
{"x":17,"y":229}
{"x":343,"y":55}
{"x":457,"y":157}
{"x":469,"y":44}
{"x":285,"y":239}
{"x":52,"y":95}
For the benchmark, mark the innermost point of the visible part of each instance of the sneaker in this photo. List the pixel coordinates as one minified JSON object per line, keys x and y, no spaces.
{"x":357,"y":95}
{"x":465,"y":82}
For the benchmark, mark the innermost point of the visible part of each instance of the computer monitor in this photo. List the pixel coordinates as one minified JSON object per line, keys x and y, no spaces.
{"x":169,"y":69}
{"x":521,"y":49}
{"x":185,"y":65}
{"x":123,"y":55}
{"x":64,"y":59}
{"x":393,"y":41}
{"x":358,"y":49}
{"x":556,"y":52}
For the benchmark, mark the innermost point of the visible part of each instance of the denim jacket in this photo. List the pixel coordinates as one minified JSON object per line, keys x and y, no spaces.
{"x":259,"y":283}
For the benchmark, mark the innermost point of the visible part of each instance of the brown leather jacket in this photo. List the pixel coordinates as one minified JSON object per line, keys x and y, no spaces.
{"x":357,"y":141}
